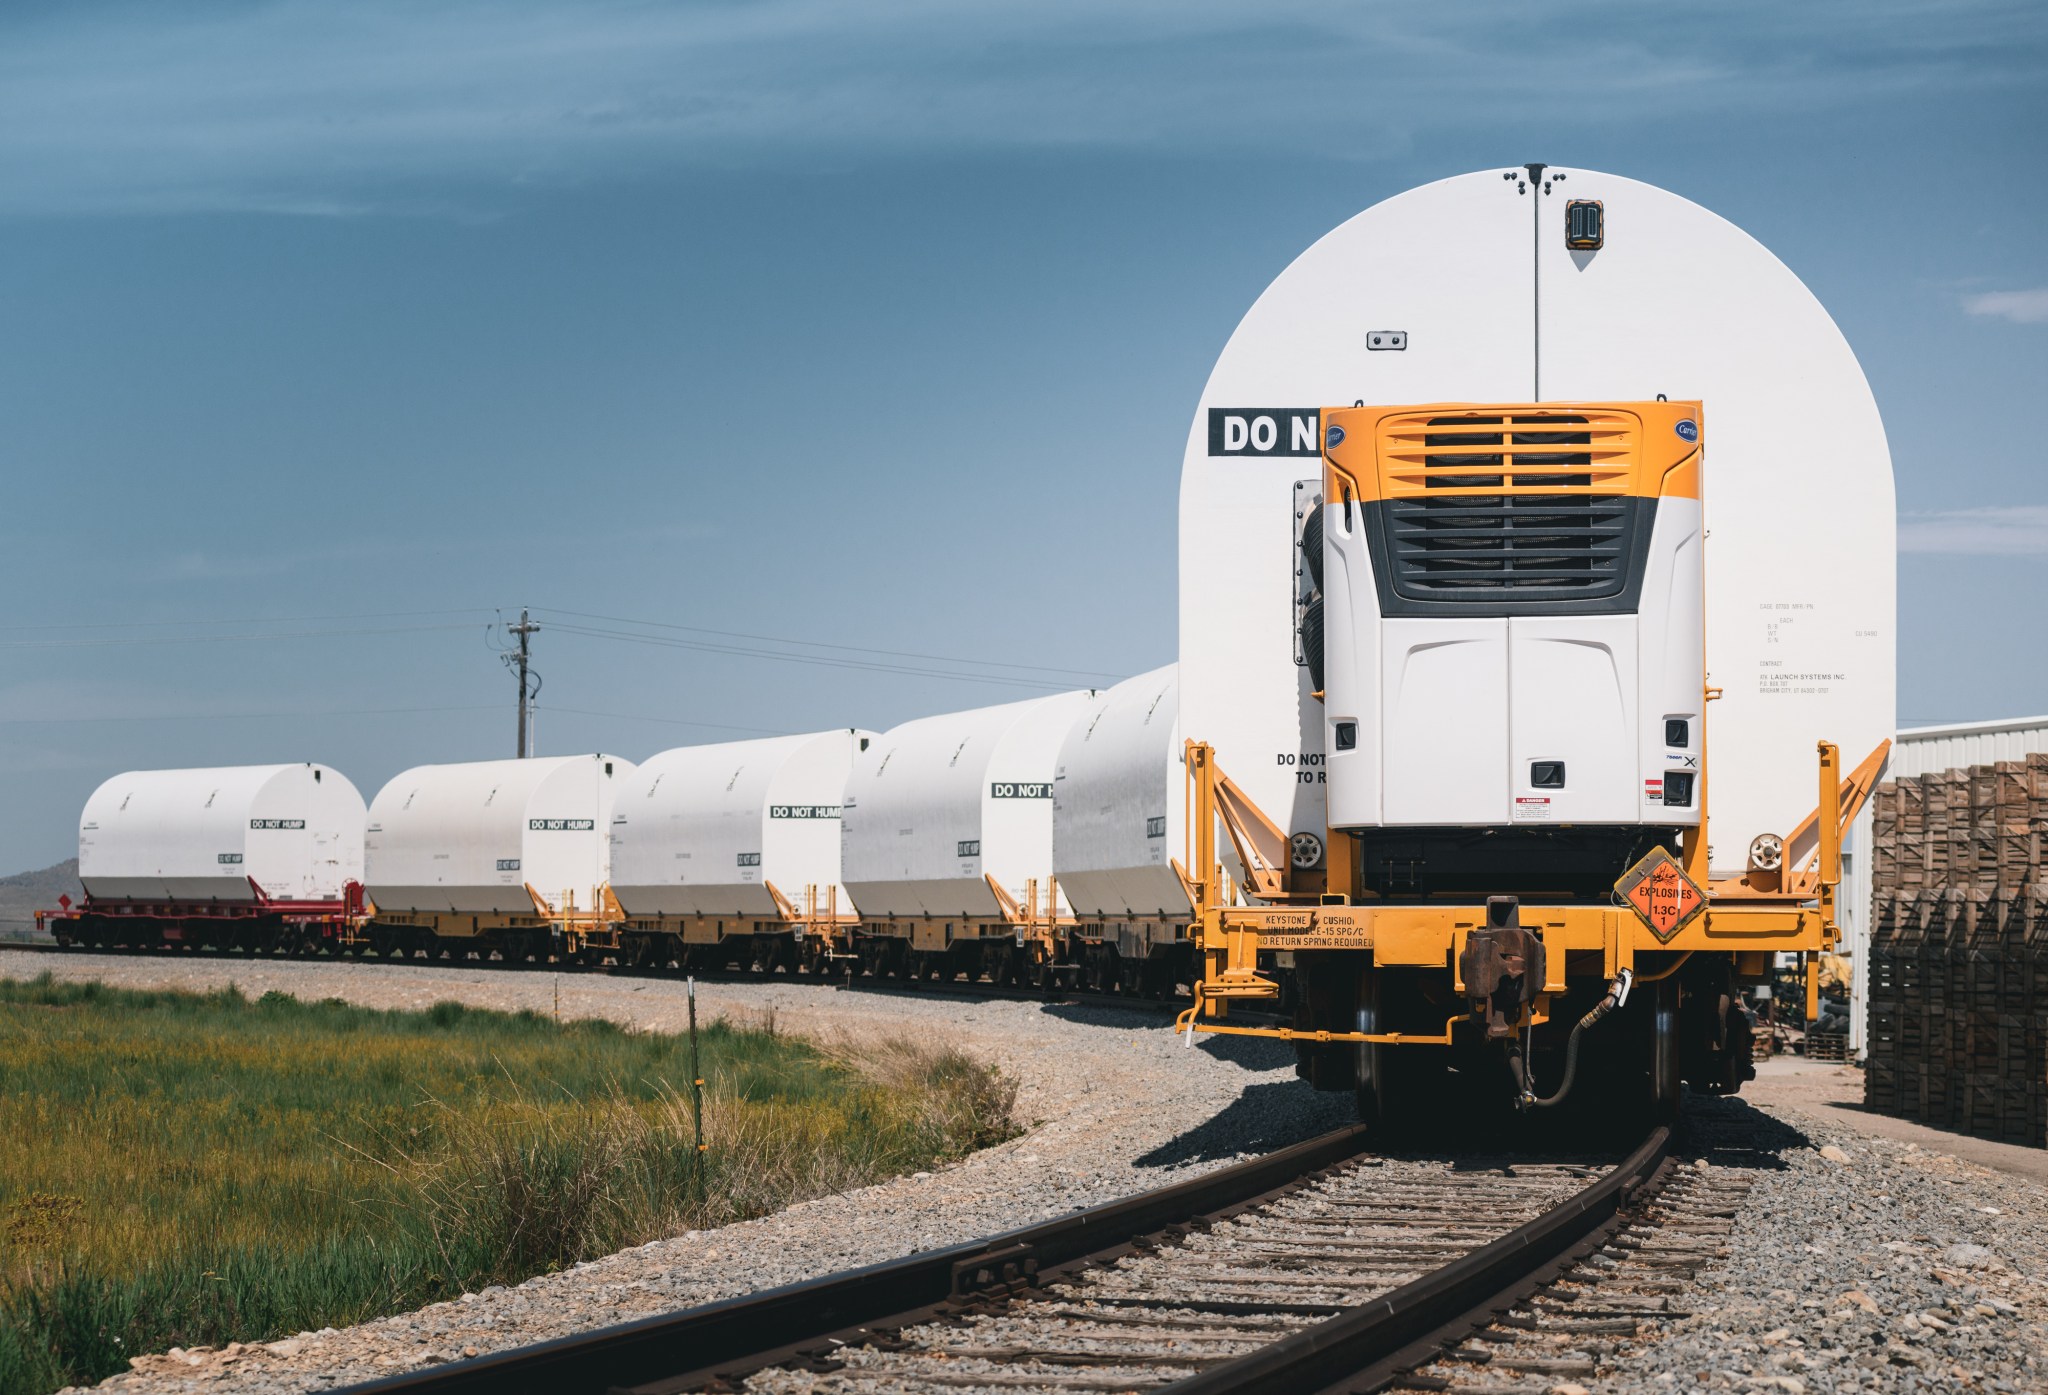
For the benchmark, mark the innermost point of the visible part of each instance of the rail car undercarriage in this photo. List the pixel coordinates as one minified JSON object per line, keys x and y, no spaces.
{"x":1437,"y":1009}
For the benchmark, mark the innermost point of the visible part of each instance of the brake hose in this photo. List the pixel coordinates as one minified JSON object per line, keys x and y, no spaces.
{"x":1527,"y":1098}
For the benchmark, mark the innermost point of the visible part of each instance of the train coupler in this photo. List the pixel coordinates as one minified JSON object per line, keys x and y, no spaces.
{"x":1502,"y":968}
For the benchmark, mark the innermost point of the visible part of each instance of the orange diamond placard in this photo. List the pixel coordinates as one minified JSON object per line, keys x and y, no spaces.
{"x":1661,"y":895}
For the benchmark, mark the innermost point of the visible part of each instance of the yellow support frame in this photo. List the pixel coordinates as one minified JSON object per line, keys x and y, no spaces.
{"x":1229,"y":939}
{"x":817,"y":918}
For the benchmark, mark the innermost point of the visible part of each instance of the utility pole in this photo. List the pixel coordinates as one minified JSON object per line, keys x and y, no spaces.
{"x":525,"y":630}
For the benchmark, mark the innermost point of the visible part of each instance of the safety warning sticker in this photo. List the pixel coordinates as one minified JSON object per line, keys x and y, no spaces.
{"x":1661,"y":894}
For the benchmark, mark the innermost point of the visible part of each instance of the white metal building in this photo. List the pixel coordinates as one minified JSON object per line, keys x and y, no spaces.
{"x":705,"y":830}
{"x":1119,"y":801}
{"x":296,"y":831}
{"x":937,"y":806}
{"x":469,"y":839}
{"x":1918,"y":751}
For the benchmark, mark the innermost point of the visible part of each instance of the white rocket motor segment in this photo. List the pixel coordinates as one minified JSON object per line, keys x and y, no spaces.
{"x":1119,"y":801}
{"x":1801,"y":518}
{"x":468,"y":839}
{"x":1474,"y":297}
{"x":936,"y":805}
{"x":204,"y":835}
{"x":702,"y":830}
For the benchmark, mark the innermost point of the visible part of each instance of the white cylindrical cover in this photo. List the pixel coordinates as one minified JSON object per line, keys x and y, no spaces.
{"x":936,"y":805}
{"x":470,"y":838}
{"x":703,"y":830}
{"x":1119,"y":801}
{"x":296,"y":831}
{"x":1465,"y":291}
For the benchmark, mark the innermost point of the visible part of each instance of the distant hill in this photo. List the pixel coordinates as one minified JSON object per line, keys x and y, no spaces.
{"x":25,"y":893}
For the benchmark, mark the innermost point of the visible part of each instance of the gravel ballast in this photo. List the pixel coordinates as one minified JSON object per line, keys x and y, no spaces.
{"x":1861,"y":1259}
{"x":1859,"y":1262}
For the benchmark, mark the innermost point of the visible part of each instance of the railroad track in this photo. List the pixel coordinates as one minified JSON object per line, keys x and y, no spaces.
{"x":971,"y":990}
{"x":1317,"y":1268}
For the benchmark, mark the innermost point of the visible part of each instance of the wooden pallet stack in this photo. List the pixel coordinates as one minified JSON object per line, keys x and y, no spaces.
{"x":1958,"y":989}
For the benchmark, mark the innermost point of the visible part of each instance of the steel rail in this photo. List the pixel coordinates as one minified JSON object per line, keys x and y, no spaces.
{"x":689,"y":1349}
{"x":1360,"y":1349}
{"x":885,"y":985}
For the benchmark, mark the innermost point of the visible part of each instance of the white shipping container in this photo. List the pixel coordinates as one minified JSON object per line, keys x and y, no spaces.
{"x":1120,"y":801}
{"x":296,"y":831}
{"x":937,"y":805}
{"x":704,"y":830}
{"x":468,"y":839}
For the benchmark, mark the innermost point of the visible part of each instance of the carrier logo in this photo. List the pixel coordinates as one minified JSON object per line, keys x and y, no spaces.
{"x":229,"y":859}
{"x":803,"y":811}
{"x":750,"y":859}
{"x":1003,"y":789}
{"x":277,"y":823}
{"x":969,"y":847}
{"x":1688,"y":430}
{"x":1155,"y":827}
{"x":1265,"y":431}
{"x":561,"y":825}
{"x":508,"y":864}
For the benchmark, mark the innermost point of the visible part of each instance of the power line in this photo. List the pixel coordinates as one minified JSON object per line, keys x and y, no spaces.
{"x":816,"y":660}
{"x":819,"y":644}
{"x":665,"y":721}
{"x":1006,"y":666}
{"x":247,"y":620}
{"x":220,"y":639}
{"x":243,"y":716}
{"x":380,"y":712}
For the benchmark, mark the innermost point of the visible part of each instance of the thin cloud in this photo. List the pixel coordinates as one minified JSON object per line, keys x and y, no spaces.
{"x":2020,"y":530}
{"x":2021,"y":307}
{"x":313,"y":109}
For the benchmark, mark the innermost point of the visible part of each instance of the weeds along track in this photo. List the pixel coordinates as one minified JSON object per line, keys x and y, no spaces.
{"x":1315,"y":1268}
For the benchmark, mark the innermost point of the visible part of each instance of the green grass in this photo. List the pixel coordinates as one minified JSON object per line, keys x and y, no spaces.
{"x":186,"y":1170}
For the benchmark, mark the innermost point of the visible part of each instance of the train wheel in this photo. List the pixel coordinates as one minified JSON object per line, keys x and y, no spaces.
{"x":1370,"y":1063}
{"x":1156,"y":982}
{"x":1102,"y":969}
{"x":1664,"y":1073}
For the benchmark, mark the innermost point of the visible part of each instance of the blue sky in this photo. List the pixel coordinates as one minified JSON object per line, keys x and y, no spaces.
{"x":326,"y":330}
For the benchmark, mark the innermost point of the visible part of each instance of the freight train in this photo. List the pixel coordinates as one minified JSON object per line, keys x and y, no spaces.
{"x":990,"y":844}
{"x":1506,"y":719}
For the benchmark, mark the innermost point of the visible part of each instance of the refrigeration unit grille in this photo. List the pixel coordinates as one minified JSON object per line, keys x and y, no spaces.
{"x":1484,"y":509}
